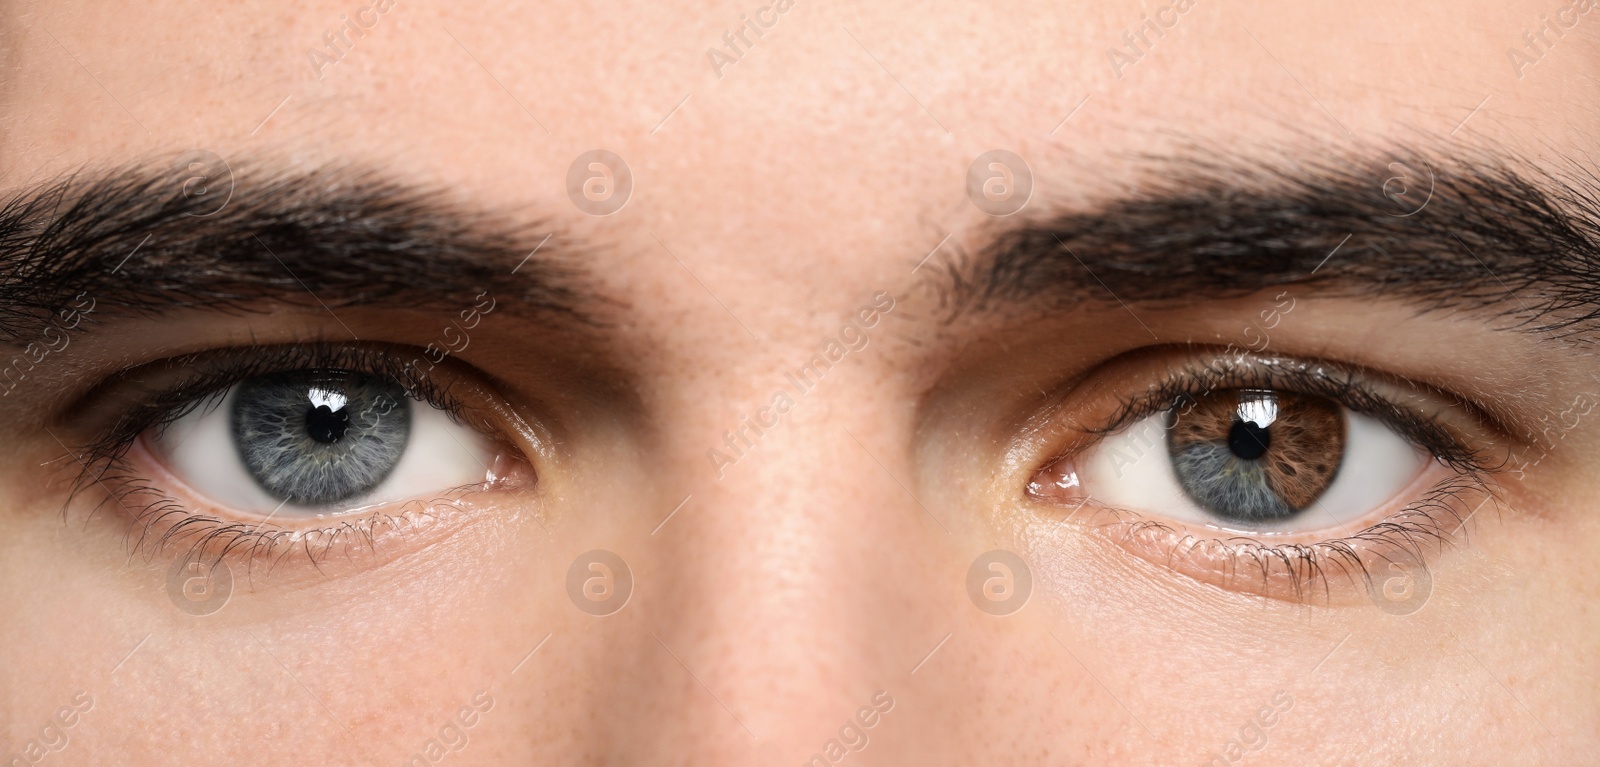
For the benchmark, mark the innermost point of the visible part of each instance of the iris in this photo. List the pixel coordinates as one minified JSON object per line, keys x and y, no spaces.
{"x":318,"y":437}
{"x":1252,"y":455}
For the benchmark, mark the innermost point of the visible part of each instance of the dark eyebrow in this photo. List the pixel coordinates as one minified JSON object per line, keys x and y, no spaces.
{"x":1465,"y":231}
{"x":151,"y":238}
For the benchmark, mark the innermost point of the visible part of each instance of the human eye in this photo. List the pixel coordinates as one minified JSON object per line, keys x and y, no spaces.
{"x":1275,"y":476}
{"x":261,"y":452}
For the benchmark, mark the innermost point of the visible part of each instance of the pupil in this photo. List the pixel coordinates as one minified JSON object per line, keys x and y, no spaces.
{"x":327,"y":426}
{"x":1249,"y":441}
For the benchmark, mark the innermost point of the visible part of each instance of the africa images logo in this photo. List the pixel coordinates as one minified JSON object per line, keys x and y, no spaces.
{"x":766,"y":17}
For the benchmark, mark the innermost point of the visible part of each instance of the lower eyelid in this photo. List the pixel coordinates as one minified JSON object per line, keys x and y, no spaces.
{"x":166,"y":521}
{"x":1340,"y":571}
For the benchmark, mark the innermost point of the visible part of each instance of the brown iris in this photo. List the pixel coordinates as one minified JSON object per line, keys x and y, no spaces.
{"x":1255,"y":454}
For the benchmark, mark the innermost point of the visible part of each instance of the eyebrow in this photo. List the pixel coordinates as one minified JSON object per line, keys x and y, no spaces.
{"x":148,"y":239}
{"x":1469,"y":231}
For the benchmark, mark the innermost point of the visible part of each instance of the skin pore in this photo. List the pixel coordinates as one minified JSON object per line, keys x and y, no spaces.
{"x":1381,"y":190}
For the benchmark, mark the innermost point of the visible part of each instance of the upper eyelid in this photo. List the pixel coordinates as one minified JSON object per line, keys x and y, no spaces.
{"x":218,"y":370}
{"x":1349,"y":385}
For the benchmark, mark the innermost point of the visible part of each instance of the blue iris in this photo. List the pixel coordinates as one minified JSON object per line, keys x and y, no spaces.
{"x":1229,"y":485}
{"x":318,"y":437}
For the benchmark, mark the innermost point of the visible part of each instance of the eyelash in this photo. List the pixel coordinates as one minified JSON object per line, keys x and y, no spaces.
{"x":1436,"y":519}
{"x":1338,"y":383}
{"x":103,"y":459}
{"x":232,"y":366}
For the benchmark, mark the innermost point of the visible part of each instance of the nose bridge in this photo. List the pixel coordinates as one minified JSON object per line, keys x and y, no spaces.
{"x":781,"y":589}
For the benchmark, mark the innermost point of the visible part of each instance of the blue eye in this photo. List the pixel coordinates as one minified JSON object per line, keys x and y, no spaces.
{"x":314,"y":438}
{"x":319,"y":442}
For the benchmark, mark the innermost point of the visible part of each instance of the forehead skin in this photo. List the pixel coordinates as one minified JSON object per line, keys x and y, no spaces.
{"x":819,"y":169}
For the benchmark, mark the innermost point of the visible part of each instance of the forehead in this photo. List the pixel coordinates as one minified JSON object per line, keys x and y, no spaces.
{"x":806,"y":132}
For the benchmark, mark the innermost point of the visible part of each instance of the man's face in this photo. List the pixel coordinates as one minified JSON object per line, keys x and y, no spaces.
{"x":801,"y":383}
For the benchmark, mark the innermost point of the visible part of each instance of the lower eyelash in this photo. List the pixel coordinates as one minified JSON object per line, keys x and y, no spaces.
{"x":1436,"y":522}
{"x":159,"y":523}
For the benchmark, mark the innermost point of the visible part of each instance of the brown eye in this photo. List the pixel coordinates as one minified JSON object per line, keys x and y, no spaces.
{"x":1254,"y":455}
{"x":1253,"y":460}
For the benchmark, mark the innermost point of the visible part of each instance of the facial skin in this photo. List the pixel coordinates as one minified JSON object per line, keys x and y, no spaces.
{"x":806,"y":594}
